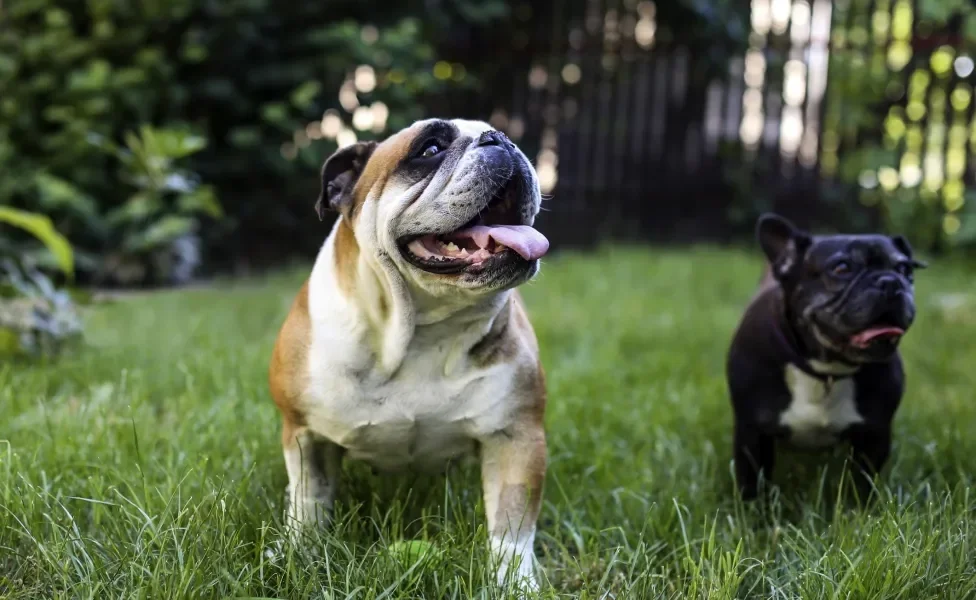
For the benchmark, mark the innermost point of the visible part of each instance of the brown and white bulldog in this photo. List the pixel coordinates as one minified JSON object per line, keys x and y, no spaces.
{"x":408,"y":345}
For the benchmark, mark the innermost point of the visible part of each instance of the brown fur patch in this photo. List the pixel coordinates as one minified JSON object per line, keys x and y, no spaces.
{"x":499,"y":343}
{"x":514,"y":498}
{"x":381,"y":165}
{"x":373,"y":178}
{"x":521,"y":324}
{"x":539,"y":397}
{"x":287,"y":374}
{"x":509,"y":331}
{"x":533,"y":377}
{"x":346,"y":255}
{"x":521,"y":493}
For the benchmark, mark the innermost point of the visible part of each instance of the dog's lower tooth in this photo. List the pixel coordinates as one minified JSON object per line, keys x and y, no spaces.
{"x":452,"y":247}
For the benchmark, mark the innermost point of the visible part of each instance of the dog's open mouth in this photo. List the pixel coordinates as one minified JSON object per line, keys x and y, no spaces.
{"x":492,"y":235}
{"x":881,"y":333}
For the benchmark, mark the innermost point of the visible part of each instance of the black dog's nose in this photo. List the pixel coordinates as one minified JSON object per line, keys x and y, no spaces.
{"x":889,"y":284}
{"x":492,"y":138}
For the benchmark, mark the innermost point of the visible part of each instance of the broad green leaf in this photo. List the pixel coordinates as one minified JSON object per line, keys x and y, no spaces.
{"x":138,"y":207}
{"x":41,"y":227}
{"x":161,"y":232}
{"x":56,"y":193}
{"x":204,"y":200}
{"x":969,"y":29}
{"x":170,"y":143}
{"x":305,"y":94}
{"x":275,"y":112}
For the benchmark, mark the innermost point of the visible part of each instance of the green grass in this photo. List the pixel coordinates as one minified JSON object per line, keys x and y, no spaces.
{"x":148,"y":464}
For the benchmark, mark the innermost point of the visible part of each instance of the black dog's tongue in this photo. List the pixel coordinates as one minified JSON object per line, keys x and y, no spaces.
{"x":864,"y":339}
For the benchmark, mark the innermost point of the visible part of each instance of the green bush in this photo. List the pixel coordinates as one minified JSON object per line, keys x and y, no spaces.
{"x":153,"y":234}
{"x":251,"y":77}
{"x":874,"y":136}
{"x":35,"y":317}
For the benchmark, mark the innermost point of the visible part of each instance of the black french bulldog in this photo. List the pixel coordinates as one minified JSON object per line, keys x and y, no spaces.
{"x":815,"y":359}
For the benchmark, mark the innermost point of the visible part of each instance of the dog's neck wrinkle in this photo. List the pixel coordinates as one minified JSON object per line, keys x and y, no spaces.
{"x":802,"y":340}
{"x":435,"y":311}
{"x":384,"y":299}
{"x":785,"y":321}
{"x":399,"y":317}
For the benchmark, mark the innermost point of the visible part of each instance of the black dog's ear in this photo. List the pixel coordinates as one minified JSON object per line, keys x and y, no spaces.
{"x":339,"y":176}
{"x":783,"y":244}
{"x":905,"y":248}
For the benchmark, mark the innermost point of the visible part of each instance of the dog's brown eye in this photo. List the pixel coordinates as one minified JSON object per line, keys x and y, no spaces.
{"x":904,"y":269}
{"x":430,"y":150}
{"x":841,"y":268}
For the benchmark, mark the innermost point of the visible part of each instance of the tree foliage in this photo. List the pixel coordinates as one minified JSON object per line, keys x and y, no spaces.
{"x":246,"y":77}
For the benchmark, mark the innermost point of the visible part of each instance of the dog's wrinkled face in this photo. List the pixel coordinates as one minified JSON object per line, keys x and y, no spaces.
{"x":450,"y":203}
{"x":850,"y":294}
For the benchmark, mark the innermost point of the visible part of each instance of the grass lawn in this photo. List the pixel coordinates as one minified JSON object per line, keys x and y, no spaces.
{"x":148,"y":465}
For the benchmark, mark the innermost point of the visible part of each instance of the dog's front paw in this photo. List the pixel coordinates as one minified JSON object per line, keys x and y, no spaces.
{"x":303,"y":513}
{"x":521,"y":580}
{"x":308,"y":512}
{"x":274,"y":552}
{"x":516,"y":566}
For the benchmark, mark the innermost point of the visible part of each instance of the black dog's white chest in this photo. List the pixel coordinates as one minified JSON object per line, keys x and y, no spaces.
{"x":819,"y":410}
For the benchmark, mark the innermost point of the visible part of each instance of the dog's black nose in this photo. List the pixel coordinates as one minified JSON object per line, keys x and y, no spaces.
{"x":889,"y":284}
{"x":492,"y":138}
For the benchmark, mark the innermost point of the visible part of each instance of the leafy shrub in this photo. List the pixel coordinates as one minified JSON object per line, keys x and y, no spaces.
{"x":35,"y":317}
{"x":156,"y":227}
{"x":42,"y":229}
{"x":883,"y":123}
{"x":251,"y":77}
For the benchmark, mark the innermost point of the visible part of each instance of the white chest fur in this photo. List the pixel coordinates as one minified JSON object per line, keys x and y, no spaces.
{"x":435,"y":405}
{"x":819,"y":410}
{"x":420,"y":419}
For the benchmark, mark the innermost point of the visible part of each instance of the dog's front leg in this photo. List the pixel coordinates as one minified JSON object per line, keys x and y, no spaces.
{"x":513,"y":468}
{"x":314,"y":465}
{"x":870,"y":448}
{"x":755,"y":455}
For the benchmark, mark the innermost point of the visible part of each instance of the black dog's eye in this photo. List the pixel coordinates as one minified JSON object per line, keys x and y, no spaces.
{"x":841,"y":268}
{"x":431,"y":149}
{"x":904,"y":269}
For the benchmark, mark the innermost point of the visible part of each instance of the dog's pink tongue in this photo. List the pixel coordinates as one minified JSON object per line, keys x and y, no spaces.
{"x":865,"y":337}
{"x":528,"y":242}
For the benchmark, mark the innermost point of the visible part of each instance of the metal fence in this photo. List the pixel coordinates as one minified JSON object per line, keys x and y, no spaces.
{"x":637,"y":133}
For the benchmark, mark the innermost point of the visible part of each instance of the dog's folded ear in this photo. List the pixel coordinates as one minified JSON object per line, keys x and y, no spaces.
{"x":340,"y":173}
{"x":783,"y":244}
{"x":905,"y":248}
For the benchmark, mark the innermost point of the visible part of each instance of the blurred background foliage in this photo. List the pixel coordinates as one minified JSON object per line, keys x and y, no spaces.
{"x":897,"y":128}
{"x":36,"y":318}
{"x":112,"y":114}
{"x":172,"y":138}
{"x":900,"y":125}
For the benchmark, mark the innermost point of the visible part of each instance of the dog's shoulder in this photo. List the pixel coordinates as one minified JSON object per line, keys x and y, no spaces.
{"x":754,"y":333}
{"x":510,"y":336}
{"x":512,"y":340}
{"x":289,"y":358}
{"x":754,"y":358}
{"x":522,"y":326}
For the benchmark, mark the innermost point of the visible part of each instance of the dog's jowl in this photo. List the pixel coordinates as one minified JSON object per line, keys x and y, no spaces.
{"x":815,"y":359}
{"x":409,"y":346}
